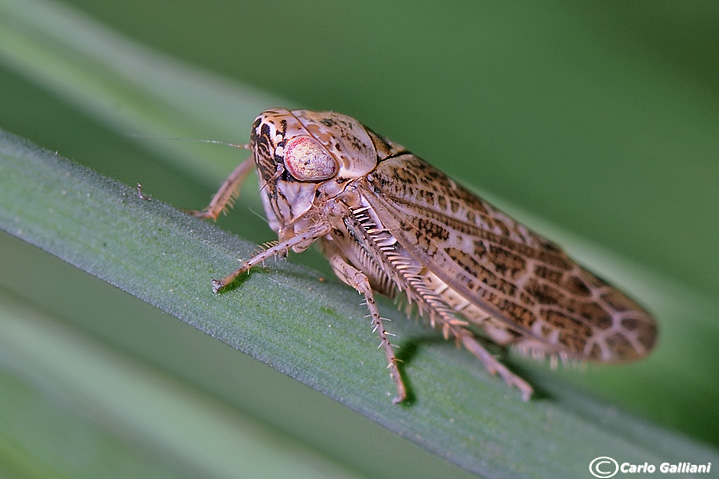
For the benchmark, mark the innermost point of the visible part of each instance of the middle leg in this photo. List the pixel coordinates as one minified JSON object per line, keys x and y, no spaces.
{"x":358,"y":280}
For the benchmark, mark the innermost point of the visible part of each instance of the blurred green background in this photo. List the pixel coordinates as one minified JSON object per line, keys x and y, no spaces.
{"x":599,"y":117}
{"x":591,"y":115}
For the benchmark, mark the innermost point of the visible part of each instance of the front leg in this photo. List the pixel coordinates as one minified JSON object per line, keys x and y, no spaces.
{"x":358,"y":280}
{"x":229,"y":190}
{"x":300,"y":241}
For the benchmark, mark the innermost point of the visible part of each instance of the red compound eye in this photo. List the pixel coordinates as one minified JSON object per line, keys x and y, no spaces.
{"x":307,"y":160}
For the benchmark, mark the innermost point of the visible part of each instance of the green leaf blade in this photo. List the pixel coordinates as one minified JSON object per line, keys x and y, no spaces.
{"x":163,"y":256}
{"x":284,"y":316}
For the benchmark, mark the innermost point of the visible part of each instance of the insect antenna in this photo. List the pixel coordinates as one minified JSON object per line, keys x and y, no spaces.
{"x":260,"y":216}
{"x":245,"y":146}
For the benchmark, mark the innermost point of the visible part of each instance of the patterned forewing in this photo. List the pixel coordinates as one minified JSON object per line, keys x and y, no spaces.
{"x":508,"y":272}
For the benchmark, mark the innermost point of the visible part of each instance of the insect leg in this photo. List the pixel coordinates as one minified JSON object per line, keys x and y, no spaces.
{"x":358,"y":280}
{"x":228,"y":191}
{"x":492,"y":364}
{"x":302,"y":240}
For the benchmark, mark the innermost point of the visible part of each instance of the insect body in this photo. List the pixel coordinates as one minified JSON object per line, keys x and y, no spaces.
{"x":390,"y":223}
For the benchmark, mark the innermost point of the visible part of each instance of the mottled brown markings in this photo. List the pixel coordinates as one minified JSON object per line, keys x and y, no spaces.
{"x":390,"y":222}
{"x":434,"y":230}
{"x":382,"y":146}
{"x":575,"y":285}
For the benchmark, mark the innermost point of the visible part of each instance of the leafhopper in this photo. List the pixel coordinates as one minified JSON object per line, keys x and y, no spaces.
{"x":390,"y":223}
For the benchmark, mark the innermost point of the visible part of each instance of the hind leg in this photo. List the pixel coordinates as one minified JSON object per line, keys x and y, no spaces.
{"x":492,"y":364}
